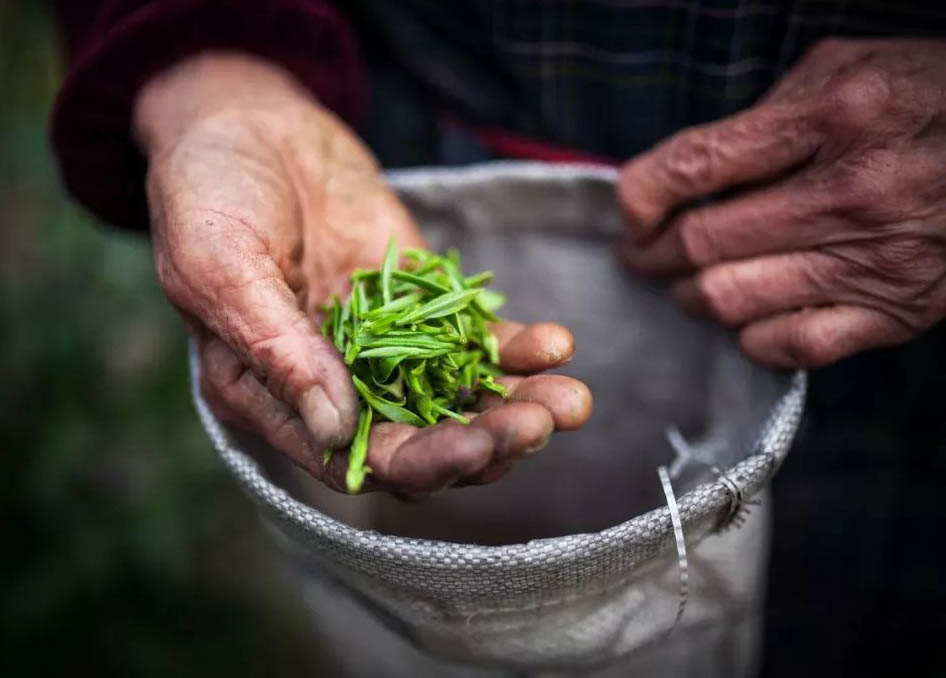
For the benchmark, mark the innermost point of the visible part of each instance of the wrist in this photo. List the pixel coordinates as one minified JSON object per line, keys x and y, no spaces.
{"x":206,"y":85}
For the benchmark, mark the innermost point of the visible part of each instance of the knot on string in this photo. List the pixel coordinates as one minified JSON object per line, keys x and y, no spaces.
{"x":686,"y":454}
{"x":738,"y":510}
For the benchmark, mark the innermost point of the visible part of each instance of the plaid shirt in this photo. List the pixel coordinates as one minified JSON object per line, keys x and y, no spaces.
{"x":608,"y":77}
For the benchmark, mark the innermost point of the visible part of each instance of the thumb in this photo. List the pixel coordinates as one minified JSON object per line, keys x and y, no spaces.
{"x":226,"y":278}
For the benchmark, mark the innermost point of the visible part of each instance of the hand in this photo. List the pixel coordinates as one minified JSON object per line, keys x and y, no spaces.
{"x":262,"y":204}
{"x":830,"y":236}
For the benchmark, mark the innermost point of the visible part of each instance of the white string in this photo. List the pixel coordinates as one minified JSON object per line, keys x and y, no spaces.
{"x":682,"y":452}
{"x":681,"y":544}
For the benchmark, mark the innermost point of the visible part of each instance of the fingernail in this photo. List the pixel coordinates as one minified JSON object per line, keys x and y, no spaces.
{"x":321,"y":417}
{"x":529,"y":451}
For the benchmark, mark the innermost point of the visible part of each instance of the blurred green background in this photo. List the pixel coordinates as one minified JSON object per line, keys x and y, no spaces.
{"x":126,"y":548}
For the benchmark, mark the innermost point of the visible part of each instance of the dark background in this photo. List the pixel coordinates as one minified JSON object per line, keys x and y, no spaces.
{"x":126,"y":545}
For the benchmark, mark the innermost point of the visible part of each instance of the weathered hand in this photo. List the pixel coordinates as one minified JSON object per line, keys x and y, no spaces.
{"x":835,"y":239}
{"x":262,"y":204}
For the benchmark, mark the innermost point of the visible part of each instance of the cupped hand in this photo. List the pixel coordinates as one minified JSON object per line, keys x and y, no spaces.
{"x":827,"y":235}
{"x":262,"y":204}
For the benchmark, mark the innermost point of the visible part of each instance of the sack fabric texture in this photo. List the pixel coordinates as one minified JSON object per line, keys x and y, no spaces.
{"x":569,"y":564}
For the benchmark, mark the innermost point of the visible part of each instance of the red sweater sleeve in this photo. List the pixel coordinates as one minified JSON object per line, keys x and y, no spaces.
{"x":114,"y":46}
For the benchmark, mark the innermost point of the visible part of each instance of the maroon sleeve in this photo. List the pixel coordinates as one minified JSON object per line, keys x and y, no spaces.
{"x":114,"y":46}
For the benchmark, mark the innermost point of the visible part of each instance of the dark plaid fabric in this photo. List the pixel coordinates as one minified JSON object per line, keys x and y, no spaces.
{"x":610,"y":77}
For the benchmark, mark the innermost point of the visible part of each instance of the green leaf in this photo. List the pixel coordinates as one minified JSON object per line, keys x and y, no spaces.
{"x":479,"y":279}
{"x":418,"y":254}
{"x":491,"y":346}
{"x":490,"y":300}
{"x":351,"y":353}
{"x":390,"y":263}
{"x":337,"y":324}
{"x":395,"y":305}
{"x":417,"y":380}
{"x":386,"y":408}
{"x":386,"y":366}
{"x":431,"y":264}
{"x":490,"y":385}
{"x":440,"y":306}
{"x":452,"y":268}
{"x":363,"y":274}
{"x":418,"y":281}
{"x":358,"y":452}
{"x":395,"y":389}
{"x":448,"y":413}
{"x":406,"y":351}
{"x":457,"y":323}
{"x":417,"y":340}
{"x":489,"y":370}
{"x":424,"y":407}
{"x":364,"y":305}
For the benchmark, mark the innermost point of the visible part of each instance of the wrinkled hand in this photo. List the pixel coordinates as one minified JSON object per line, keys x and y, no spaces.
{"x":835,"y":239}
{"x":262,"y":204}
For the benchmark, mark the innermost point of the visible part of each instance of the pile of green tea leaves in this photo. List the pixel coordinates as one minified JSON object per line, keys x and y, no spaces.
{"x":416,"y":342}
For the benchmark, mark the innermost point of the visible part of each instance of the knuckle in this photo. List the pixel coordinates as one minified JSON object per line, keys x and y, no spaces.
{"x":811,"y":344}
{"x":640,"y":211}
{"x":689,"y":160}
{"x":860,"y":97}
{"x":818,"y":273}
{"x":272,"y":359}
{"x":696,"y":239}
{"x":280,"y":423}
{"x":277,"y":362}
{"x":721,"y":296}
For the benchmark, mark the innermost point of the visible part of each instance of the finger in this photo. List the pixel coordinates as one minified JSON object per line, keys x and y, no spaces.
{"x":495,"y":470}
{"x":490,"y":474}
{"x":533,"y":348}
{"x":750,"y":147}
{"x":412,"y":460}
{"x":792,"y":214}
{"x":241,"y":393}
{"x":568,"y":400}
{"x":225,"y":277}
{"x":518,"y":429}
{"x":738,"y":292}
{"x":820,"y":336}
